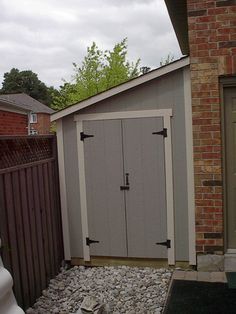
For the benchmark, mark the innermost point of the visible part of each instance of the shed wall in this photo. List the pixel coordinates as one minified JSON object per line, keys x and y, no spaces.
{"x":161,"y":93}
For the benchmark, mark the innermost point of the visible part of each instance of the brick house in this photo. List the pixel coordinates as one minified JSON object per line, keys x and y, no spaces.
{"x":21,"y":114}
{"x":206,"y":31}
{"x":13,"y":120}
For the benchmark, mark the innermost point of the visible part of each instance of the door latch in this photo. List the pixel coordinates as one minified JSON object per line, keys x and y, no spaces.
{"x":126,"y":186}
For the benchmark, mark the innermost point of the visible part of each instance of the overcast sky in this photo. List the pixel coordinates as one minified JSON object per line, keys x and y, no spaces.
{"x":46,"y":36}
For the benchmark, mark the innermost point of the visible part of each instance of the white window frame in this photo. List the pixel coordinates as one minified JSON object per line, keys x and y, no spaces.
{"x":33,"y":117}
{"x":166,"y":114}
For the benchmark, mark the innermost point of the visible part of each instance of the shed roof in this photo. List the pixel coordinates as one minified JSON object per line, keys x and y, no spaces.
{"x":178,"y":64}
{"x":178,"y":15}
{"x":24,"y":101}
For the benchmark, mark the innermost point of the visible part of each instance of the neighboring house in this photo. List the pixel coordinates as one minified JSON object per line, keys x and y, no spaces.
{"x":16,"y":108}
{"x":206,"y":30}
{"x":13,"y":120}
{"x":126,"y":188}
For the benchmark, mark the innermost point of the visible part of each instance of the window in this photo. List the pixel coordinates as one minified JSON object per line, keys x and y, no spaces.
{"x":33,"y":118}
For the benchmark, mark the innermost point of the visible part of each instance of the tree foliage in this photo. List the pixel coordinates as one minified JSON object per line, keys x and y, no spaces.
{"x":99,"y":71}
{"x":170,"y":58}
{"x":27,"y":82}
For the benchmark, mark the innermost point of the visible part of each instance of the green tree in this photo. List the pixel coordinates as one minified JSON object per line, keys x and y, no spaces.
{"x":99,"y":71}
{"x":27,"y":82}
{"x":170,"y":58}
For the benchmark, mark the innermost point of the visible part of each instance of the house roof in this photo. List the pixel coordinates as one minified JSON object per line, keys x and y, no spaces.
{"x":178,"y":15}
{"x":178,"y":64}
{"x":26,"y":102}
{"x":7,"y":105}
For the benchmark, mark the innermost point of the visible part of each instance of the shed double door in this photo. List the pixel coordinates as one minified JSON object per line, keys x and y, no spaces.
{"x":125,"y":187}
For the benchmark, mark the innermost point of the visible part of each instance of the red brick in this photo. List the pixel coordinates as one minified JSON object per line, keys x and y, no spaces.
{"x":12,"y":123}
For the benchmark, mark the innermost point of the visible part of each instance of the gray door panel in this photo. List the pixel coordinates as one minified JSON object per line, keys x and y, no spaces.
{"x":230,"y":128}
{"x":129,"y":222}
{"x":104,"y":175}
{"x":146,"y":199}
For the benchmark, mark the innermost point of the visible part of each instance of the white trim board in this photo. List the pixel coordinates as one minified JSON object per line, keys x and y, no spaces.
{"x":63,"y":196}
{"x":190,"y":168}
{"x":123,"y":87}
{"x":166,"y":114}
{"x":124,"y":115}
{"x":83,"y":195}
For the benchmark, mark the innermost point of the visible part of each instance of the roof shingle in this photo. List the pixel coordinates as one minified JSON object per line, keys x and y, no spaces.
{"x":25,"y":101}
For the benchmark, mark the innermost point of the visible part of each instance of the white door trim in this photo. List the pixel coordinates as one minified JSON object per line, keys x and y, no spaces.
{"x":166,"y":114}
{"x":124,"y":115}
{"x":82,"y":186}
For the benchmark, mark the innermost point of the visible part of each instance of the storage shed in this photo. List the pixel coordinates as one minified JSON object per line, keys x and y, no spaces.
{"x":126,"y":170}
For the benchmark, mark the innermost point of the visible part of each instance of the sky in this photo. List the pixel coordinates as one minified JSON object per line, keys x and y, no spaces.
{"x":47,"y":36}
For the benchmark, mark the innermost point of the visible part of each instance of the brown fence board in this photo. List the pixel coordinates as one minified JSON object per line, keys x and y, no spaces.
{"x":53,"y":213}
{"x":39,"y":228}
{"x":44,"y":223}
{"x":30,"y":224}
{"x":21,"y":239}
{"x":13,"y":238}
{"x":4,"y":225}
{"x":33,"y":233}
{"x":58,"y":222}
{"x":48,"y":217}
{"x":27,"y":234}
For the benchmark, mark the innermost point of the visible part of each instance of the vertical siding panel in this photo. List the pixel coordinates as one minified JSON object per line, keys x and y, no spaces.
{"x":21,"y":238}
{"x":13,"y":239}
{"x":48,"y":217}
{"x":4,"y":234}
{"x":41,"y":276}
{"x":44,"y":222}
{"x":33,"y":232}
{"x":28,"y":236}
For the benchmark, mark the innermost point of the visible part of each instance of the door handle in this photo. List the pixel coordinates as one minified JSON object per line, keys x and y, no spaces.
{"x":126,"y":186}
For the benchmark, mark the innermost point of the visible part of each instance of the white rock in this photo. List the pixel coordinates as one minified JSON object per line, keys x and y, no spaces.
{"x":123,"y":289}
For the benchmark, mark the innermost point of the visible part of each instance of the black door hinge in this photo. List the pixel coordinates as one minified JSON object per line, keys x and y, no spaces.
{"x":83,"y":136}
{"x":88,"y":241}
{"x":163,"y":132}
{"x":167,"y":244}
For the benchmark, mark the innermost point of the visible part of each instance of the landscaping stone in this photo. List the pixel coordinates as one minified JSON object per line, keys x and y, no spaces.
{"x":120,"y":289}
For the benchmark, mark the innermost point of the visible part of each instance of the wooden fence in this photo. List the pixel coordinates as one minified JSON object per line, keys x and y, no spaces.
{"x":30,"y":220}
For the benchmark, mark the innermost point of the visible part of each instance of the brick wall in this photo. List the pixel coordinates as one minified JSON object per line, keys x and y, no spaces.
{"x":43,"y":124}
{"x":212,"y":36}
{"x":12,"y":123}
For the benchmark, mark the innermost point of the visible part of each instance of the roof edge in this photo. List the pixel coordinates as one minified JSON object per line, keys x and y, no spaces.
{"x":178,"y":15}
{"x":13,"y":105}
{"x":178,"y":64}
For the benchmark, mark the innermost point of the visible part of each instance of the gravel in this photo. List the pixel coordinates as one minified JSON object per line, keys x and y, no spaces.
{"x":122,"y":289}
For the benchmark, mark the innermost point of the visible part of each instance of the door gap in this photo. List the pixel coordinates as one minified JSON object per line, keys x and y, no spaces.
{"x":124,"y":171}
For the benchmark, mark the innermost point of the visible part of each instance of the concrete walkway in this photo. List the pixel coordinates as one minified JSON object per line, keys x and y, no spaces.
{"x":199,"y":276}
